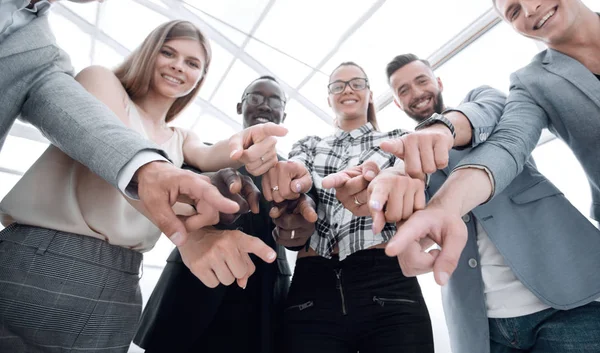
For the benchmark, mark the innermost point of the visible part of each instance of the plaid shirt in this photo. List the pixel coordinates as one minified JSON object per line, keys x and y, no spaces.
{"x":323,"y":156}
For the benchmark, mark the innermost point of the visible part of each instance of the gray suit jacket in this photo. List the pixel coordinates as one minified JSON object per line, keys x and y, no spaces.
{"x":551,"y":247}
{"x":554,"y":91}
{"x":36,"y":82}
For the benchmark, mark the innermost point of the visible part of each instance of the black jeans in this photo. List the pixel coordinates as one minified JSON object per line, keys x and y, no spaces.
{"x":363,"y":303}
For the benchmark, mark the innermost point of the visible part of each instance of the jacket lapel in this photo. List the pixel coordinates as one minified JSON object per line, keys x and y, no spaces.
{"x":574,"y":72}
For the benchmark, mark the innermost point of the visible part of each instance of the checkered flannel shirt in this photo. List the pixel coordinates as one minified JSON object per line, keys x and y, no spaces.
{"x":323,"y":156}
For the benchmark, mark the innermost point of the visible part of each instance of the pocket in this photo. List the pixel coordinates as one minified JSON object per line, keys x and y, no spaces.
{"x":383,"y":301}
{"x":301,"y":307}
{"x":536,"y":192}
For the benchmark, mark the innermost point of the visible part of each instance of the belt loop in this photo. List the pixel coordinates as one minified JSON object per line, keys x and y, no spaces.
{"x":46,"y":243}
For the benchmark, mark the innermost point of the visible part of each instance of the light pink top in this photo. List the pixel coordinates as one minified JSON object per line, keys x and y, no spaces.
{"x":59,"y":193}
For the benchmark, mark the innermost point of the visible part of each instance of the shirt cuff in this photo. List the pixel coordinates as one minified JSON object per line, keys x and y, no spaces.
{"x":489,"y":173}
{"x":125,"y":178}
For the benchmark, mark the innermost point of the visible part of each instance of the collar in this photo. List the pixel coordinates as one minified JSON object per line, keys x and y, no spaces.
{"x":354,"y":134}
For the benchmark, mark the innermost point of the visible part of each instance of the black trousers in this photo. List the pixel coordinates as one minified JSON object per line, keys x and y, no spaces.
{"x":362,"y":304}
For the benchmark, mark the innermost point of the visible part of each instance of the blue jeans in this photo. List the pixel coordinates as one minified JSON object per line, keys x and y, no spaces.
{"x":565,"y":331}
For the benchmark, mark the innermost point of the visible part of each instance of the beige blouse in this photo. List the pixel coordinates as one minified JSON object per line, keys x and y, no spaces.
{"x":59,"y":193}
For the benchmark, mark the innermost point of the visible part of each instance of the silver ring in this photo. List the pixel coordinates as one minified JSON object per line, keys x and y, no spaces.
{"x":275,"y":188}
{"x":293,"y":234}
{"x":262,"y":159}
{"x":356,"y":202}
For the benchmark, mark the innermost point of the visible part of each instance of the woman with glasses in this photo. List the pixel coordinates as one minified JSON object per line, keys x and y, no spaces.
{"x":346,"y":294}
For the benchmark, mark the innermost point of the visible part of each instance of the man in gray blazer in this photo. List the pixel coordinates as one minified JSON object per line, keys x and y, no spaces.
{"x":518,"y":285}
{"x":36,"y":82}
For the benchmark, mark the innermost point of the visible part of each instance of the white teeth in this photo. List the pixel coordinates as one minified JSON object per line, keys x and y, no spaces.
{"x":423,"y":103}
{"x":263,"y":120}
{"x":350,"y":101}
{"x":545,"y":18}
{"x":172,"y":79}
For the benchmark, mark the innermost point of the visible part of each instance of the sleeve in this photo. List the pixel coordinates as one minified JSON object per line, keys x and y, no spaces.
{"x":82,"y":127}
{"x":508,"y":148}
{"x":483,"y":107}
{"x":303,"y":151}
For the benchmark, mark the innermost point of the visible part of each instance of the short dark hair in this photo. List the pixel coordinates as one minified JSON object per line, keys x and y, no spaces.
{"x":402,"y":60}
{"x":264,"y":77}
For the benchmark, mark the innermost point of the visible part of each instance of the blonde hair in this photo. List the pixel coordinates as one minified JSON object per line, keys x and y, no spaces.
{"x":134,"y":72}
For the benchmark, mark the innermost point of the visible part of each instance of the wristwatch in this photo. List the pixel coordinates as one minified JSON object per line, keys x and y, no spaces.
{"x":436,"y":119}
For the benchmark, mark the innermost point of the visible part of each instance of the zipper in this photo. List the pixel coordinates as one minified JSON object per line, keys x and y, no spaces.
{"x":338,"y":274}
{"x":301,"y":307}
{"x":382,"y":301}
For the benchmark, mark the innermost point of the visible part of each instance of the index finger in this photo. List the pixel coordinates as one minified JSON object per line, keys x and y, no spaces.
{"x":250,"y":244}
{"x":335,"y":180}
{"x":307,"y":210}
{"x":413,"y":229}
{"x":270,"y":129}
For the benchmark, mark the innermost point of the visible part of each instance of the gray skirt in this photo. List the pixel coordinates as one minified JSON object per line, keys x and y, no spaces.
{"x":64,"y":292}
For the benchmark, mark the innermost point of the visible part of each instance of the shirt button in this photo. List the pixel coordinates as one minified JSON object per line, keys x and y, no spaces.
{"x":466,"y":218}
{"x":483,"y":136}
{"x":472,"y":263}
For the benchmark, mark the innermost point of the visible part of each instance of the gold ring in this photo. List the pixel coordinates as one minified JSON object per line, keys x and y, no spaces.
{"x":293,"y":234}
{"x":356,"y":202}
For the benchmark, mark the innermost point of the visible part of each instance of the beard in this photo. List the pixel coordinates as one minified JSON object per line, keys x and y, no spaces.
{"x":438,"y":107}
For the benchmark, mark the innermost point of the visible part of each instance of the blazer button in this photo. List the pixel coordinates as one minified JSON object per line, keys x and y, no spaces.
{"x":483,"y":136}
{"x":466,"y":218}
{"x":472,"y":263}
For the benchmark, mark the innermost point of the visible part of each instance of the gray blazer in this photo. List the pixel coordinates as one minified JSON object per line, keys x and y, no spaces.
{"x":36,"y":82}
{"x":554,"y":91}
{"x":549,"y":245}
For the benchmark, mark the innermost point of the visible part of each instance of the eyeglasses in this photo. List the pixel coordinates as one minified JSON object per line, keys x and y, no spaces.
{"x":257,"y":99}
{"x":357,"y":84}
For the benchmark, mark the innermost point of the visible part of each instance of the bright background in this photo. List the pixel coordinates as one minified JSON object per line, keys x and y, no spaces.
{"x":300,"y":42}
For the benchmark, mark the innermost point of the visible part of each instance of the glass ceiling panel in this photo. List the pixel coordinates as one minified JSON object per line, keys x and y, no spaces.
{"x":242,"y":15}
{"x":106,"y":56}
{"x":301,"y":123}
{"x":488,"y":61}
{"x":316,"y":32}
{"x":116,"y":21}
{"x":232,"y":88}
{"x":19,"y":153}
{"x":399,"y":27}
{"x":72,"y":40}
{"x":211,"y":129}
{"x":86,"y":11}
{"x":218,"y":65}
{"x":315,"y":90}
{"x":286,"y":68}
{"x":232,"y":34}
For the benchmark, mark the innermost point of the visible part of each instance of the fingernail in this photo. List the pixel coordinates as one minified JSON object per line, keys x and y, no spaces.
{"x":370,"y":174}
{"x":443,"y":278}
{"x":232,"y":153}
{"x":271,"y":256}
{"x":298,"y":187}
{"x":274,"y":209}
{"x":375,"y":205}
{"x":177,"y":238}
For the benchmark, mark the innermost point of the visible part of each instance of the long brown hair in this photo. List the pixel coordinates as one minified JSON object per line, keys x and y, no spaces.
{"x":135,"y":72}
{"x":371,"y":115}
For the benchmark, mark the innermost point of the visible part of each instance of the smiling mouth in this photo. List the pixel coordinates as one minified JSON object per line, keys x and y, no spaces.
{"x":348,"y":101}
{"x":262,"y":119}
{"x":172,"y":79}
{"x":422,"y":103}
{"x":545,"y":19}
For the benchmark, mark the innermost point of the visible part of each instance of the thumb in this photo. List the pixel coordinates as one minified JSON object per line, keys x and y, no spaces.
{"x":236,"y":147}
{"x":250,"y":244}
{"x":448,"y":258}
{"x":395,"y":146}
{"x":370,"y":170}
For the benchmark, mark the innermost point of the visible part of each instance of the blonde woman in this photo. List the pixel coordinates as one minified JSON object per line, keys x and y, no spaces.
{"x":73,"y":245}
